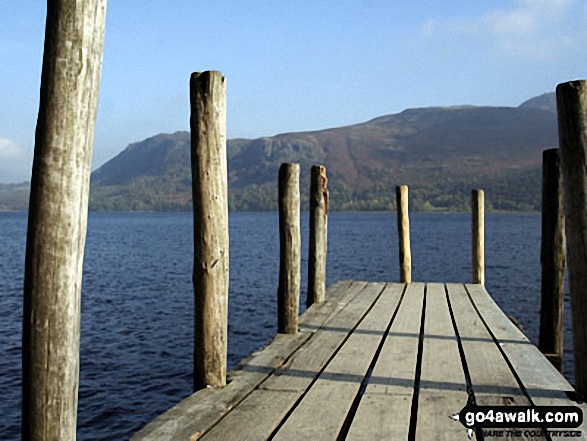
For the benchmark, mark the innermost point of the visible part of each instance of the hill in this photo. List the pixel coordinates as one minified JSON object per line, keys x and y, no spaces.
{"x":441,"y":152}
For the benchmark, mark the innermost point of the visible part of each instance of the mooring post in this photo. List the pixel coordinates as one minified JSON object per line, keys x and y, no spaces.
{"x":318,"y":236}
{"x":552,"y":259}
{"x":478,"y":230}
{"x":58,"y":212}
{"x":571,"y":100}
{"x":403,"y":229}
{"x":288,"y":292}
{"x":210,"y":200}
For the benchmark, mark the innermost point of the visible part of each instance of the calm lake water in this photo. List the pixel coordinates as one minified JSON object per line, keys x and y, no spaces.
{"x":137,"y":301}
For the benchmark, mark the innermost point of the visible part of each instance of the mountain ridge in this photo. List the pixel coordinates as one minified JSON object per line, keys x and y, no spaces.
{"x":441,"y":152}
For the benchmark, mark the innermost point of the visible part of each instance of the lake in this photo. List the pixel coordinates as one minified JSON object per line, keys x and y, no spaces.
{"x":137,"y":300}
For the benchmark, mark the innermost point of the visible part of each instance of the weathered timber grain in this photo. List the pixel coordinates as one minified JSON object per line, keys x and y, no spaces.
{"x":340,"y":381}
{"x":288,"y":292}
{"x":198,"y":413}
{"x":318,"y":236}
{"x":210,"y":200}
{"x":442,"y":385}
{"x":478,"y":230}
{"x":544,"y":384}
{"x":392,"y":385}
{"x":403,"y":228}
{"x":290,"y":381}
{"x":57,"y":221}
{"x":493,"y":383}
{"x":571,"y":100}
{"x":552,"y":258}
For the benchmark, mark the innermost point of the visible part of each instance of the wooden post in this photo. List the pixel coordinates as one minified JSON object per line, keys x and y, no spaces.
{"x":57,"y":222}
{"x":288,"y":293}
{"x":318,"y":236}
{"x":571,"y":101}
{"x":478,"y":229}
{"x":210,"y":199}
{"x":552,"y":259}
{"x":403,"y":228}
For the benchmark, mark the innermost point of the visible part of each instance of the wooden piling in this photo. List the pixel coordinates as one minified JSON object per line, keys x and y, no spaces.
{"x":288,"y":293}
{"x":552,"y":259}
{"x":210,"y":200}
{"x":57,"y":221}
{"x":403,"y":228}
{"x":571,"y":101}
{"x":478,"y":230}
{"x":318,"y":236}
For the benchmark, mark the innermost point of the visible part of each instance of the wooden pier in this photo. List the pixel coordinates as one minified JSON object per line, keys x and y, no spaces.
{"x":366,"y":360}
{"x":375,"y":361}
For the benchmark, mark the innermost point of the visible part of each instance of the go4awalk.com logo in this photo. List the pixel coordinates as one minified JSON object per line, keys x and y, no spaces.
{"x":492,"y":420}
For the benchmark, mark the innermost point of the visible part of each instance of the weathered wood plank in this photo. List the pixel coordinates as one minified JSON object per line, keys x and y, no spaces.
{"x":543,"y":382}
{"x":492,"y":381}
{"x":203,"y":409}
{"x":297,"y":375}
{"x":527,"y":360}
{"x":392,"y":381}
{"x":308,"y":393}
{"x":443,"y":388}
{"x":323,"y":410}
{"x":309,"y":361}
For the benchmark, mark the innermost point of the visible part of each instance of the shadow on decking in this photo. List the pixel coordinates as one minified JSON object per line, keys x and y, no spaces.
{"x":413,"y":335}
{"x":427,"y":386}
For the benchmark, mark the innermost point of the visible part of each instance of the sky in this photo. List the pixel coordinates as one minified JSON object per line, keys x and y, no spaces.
{"x":293,"y":65}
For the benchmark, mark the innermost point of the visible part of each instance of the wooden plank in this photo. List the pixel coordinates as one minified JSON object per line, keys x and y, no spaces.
{"x":392,"y":381}
{"x":528,"y":362}
{"x":492,"y":381}
{"x":292,"y":380}
{"x":313,"y":357}
{"x":341,"y":294}
{"x":443,"y":388}
{"x":201,"y":410}
{"x":322,"y":412}
{"x":275,"y":383}
{"x":545,"y":385}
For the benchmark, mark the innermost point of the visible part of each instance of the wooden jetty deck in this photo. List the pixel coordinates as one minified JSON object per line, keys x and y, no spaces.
{"x":375,"y":361}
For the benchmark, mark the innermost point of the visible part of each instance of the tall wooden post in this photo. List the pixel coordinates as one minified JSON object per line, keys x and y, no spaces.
{"x":318,"y":236}
{"x":210,"y":199}
{"x":58,"y":212}
{"x":552,"y":259}
{"x":571,"y":101}
{"x":403,"y":228}
{"x":478,"y":230}
{"x":288,"y":292}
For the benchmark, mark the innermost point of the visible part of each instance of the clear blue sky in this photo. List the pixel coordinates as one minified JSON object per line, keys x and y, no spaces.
{"x":293,"y":65}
